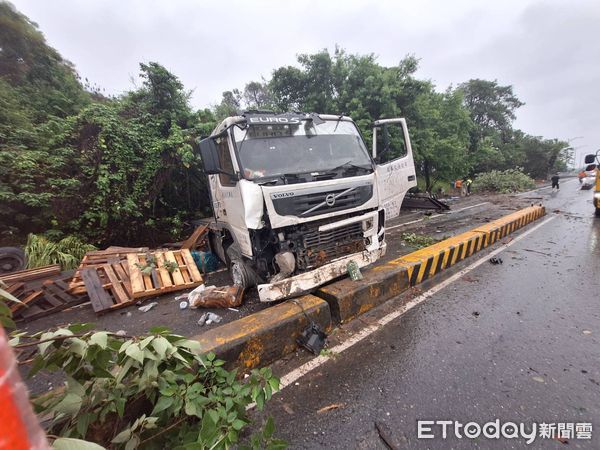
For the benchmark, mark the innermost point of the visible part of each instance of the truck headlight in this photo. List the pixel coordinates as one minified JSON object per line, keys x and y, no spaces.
{"x":597,"y":195}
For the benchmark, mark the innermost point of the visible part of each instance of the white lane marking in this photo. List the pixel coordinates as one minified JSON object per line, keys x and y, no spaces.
{"x":436,"y":215}
{"x":304,"y":369}
{"x":542,"y":188}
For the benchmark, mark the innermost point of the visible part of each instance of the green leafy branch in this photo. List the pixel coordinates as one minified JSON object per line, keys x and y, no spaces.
{"x":152,"y":392}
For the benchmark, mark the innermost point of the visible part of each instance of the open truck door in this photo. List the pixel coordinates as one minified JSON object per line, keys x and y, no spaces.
{"x":395,"y":169}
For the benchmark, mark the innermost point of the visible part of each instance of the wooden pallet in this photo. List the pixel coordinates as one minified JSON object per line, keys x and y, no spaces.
{"x":160,"y":280}
{"x":50,"y":298}
{"x":108,"y":286}
{"x":97,"y":259}
{"x":31,"y":274}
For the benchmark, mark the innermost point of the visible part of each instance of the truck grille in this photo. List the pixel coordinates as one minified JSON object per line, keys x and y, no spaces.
{"x":313,"y":204}
{"x":321,"y":247}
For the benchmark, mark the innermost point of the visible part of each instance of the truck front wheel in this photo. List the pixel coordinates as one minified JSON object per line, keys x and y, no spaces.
{"x":597,"y":212}
{"x":241,"y":274}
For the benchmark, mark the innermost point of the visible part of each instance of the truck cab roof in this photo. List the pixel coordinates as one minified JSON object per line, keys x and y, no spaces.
{"x":262,"y":117}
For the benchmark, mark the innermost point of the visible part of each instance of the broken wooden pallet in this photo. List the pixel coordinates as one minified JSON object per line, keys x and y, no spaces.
{"x":97,"y":259}
{"x":108,"y":286}
{"x":31,"y":274}
{"x":162,"y":271}
{"x":191,"y":242}
{"x":50,"y":298}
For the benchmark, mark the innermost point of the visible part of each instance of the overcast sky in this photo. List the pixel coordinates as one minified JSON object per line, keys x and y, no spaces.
{"x":548,"y":50}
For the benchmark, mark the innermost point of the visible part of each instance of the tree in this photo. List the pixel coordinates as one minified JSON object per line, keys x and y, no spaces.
{"x":440,"y":133}
{"x":492,"y":109}
{"x":257,"y":95}
{"x":230,"y":104}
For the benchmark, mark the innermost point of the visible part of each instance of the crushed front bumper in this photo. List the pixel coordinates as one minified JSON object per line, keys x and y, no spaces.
{"x":305,"y":282}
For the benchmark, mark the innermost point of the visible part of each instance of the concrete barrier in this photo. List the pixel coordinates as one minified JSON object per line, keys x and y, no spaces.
{"x":427,"y":262}
{"x":263,"y":337}
{"x":349,"y":299}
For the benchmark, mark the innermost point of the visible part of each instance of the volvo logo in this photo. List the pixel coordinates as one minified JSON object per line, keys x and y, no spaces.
{"x":330,"y":200}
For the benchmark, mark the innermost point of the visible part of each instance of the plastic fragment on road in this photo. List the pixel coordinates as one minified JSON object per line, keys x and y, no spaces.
{"x":312,"y":339}
{"x":148,"y":307}
{"x":354,"y":271}
{"x":218,"y":297}
{"x":208,"y":318}
{"x":183,"y":305}
{"x":496,"y":260}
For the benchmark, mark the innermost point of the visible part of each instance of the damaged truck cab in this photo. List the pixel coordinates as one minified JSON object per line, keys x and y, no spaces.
{"x":296,"y":197}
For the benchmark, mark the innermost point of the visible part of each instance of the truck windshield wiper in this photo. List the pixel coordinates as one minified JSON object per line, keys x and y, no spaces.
{"x":286,"y":176}
{"x":348,"y":165}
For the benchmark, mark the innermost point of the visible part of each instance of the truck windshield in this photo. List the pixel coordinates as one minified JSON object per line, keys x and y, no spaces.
{"x":281,"y":150}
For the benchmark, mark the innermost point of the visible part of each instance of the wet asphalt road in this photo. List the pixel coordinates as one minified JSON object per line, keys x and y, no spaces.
{"x":517,"y":342}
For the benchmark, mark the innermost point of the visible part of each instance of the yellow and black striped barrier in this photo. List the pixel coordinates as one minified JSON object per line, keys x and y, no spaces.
{"x":431,"y":260}
{"x":263,"y":337}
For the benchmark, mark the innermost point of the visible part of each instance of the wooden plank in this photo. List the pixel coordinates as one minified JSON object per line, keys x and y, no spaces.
{"x":191,"y":265}
{"x":135,"y":276}
{"x":193,"y":239}
{"x":177,"y":277}
{"x":183,"y":268}
{"x":50,"y":298}
{"x":57,"y":292}
{"x":124,"y":277}
{"x":31,"y":274}
{"x":12,"y":288}
{"x":165,"y":276}
{"x":98,"y":296}
{"x":120,"y":294}
{"x":14,"y":307}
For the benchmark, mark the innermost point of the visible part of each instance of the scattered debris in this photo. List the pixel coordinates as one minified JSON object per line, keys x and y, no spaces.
{"x":331,"y":407}
{"x":354,"y":271}
{"x":536,"y":251}
{"x":475,"y":313}
{"x":496,"y":260}
{"x":208,"y":318}
{"x":213,"y":297}
{"x":538,"y":379}
{"x":183,"y":305}
{"x":39,"y":301}
{"x":148,"y":307}
{"x":312,"y":338}
{"x":384,"y":435}
{"x":233,"y":309}
{"x":587,"y":332}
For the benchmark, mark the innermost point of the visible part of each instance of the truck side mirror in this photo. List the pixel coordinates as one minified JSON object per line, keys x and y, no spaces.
{"x":590,"y":167}
{"x":589,"y":159}
{"x":210,"y":158}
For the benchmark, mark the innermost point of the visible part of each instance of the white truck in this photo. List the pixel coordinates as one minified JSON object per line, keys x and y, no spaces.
{"x":298,"y":196}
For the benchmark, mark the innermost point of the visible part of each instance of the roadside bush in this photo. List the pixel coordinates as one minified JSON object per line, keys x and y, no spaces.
{"x":147,"y":392}
{"x":511,"y":180}
{"x":68,"y":252}
{"x":417,"y":240}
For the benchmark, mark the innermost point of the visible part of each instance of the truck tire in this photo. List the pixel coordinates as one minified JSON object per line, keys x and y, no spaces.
{"x":241,"y":274}
{"x":597,"y":212}
{"x":12,"y":259}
